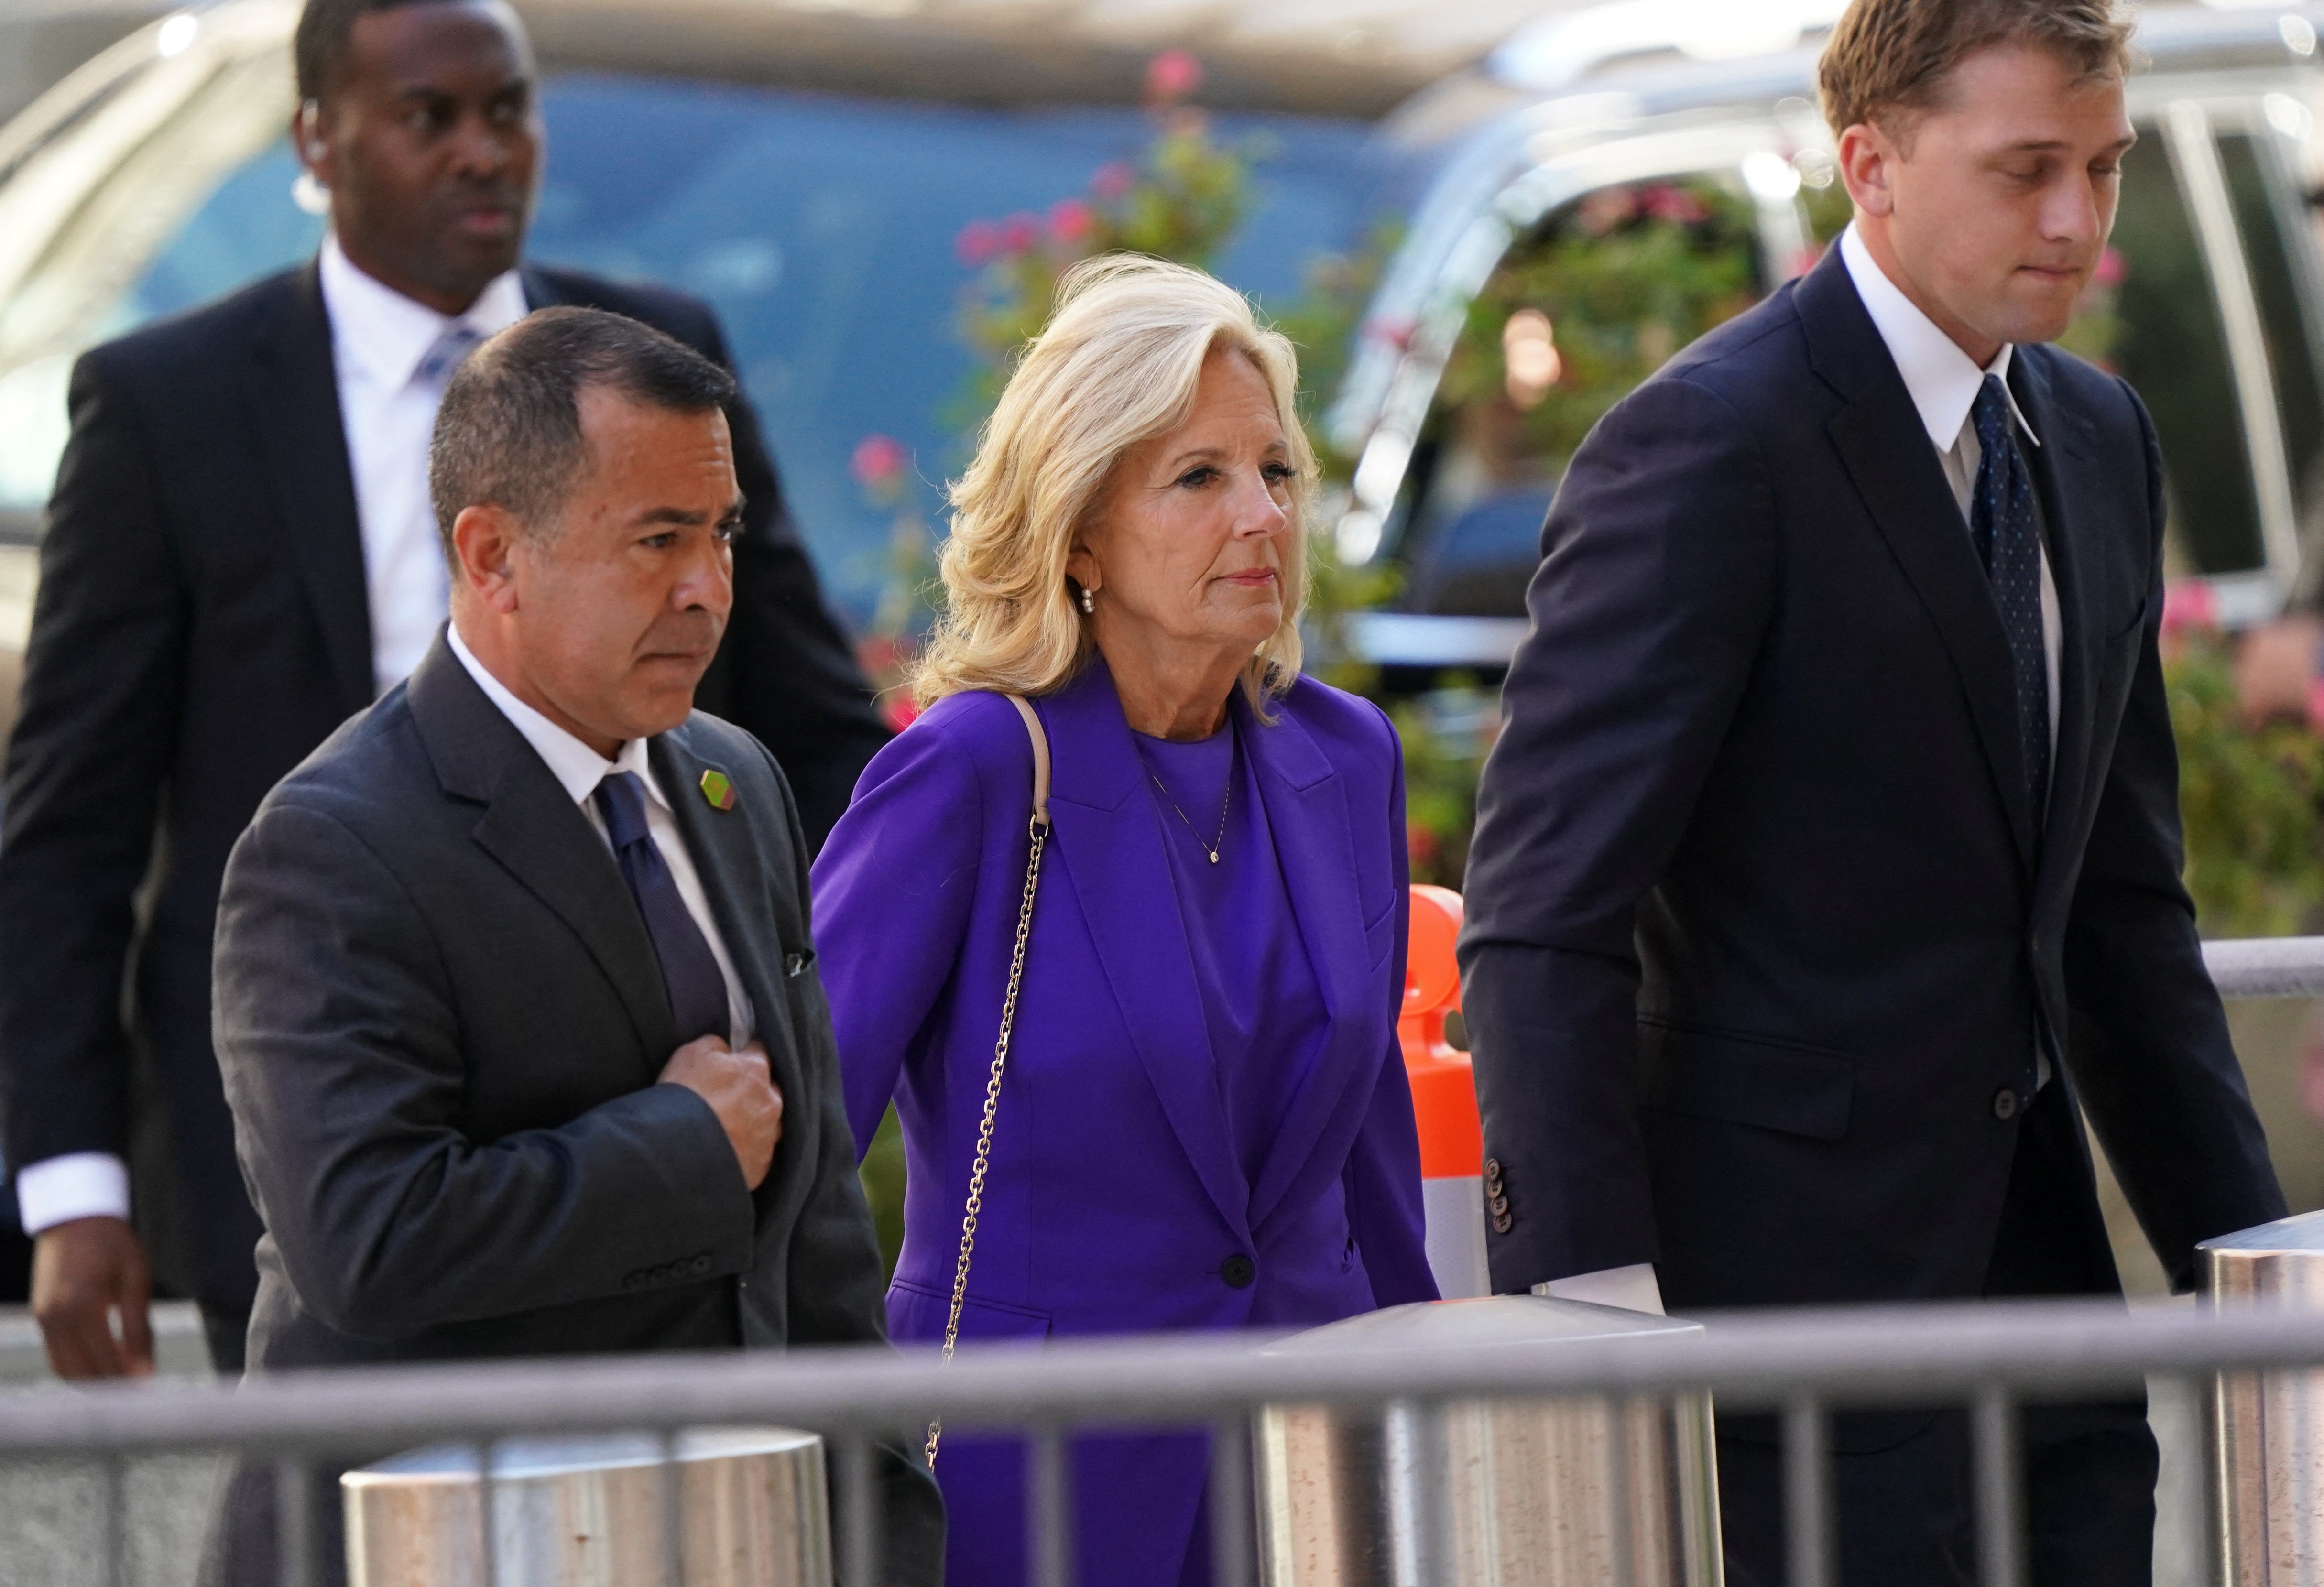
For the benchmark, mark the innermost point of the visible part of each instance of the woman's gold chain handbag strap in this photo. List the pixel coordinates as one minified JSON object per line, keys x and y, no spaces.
{"x":1039,"y":831}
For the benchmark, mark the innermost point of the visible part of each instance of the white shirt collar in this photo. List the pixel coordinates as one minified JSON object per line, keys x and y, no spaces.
{"x":575,"y":765}
{"x":1941,"y":380}
{"x":382,"y":335}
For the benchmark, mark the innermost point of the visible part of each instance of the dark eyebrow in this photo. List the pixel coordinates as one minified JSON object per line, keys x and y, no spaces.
{"x":2054,"y":145}
{"x":433,"y":94}
{"x":1212,"y":454}
{"x":686,"y":517}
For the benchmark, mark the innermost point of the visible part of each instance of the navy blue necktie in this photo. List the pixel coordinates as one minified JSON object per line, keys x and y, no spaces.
{"x":689,"y":970}
{"x":2001,"y":522}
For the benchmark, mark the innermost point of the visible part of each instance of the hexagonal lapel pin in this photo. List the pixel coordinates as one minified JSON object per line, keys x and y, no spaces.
{"x":718,"y":790}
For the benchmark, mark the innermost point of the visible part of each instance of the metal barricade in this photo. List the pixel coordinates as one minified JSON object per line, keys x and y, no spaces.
{"x":740,"y":1507}
{"x":1803,"y":1366}
{"x":1489,"y":1492}
{"x":2266,"y":1430}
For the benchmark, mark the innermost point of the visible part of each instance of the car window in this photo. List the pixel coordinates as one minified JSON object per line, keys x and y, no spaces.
{"x":1595,"y":300}
{"x":822,"y":229}
{"x":2268,"y":209}
{"x":2162,"y":331}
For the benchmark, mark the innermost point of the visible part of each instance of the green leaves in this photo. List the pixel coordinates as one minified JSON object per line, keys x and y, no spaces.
{"x":2249,"y":795}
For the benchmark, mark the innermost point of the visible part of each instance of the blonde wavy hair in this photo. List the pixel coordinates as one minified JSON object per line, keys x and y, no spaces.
{"x":1116,"y":366}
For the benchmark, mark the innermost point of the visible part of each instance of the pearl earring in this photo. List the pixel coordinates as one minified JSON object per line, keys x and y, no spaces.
{"x":1089,"y":602}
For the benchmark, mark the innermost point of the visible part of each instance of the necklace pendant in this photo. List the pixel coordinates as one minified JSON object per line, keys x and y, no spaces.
{"x":1214,"y":857}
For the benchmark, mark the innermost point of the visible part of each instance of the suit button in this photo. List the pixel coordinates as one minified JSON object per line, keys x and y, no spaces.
{"x":1500,"y":1206}
{"x":2004,"y":1104}
{"x":1239,"y":1271}
{"x":1492,"y":1170}
{"x":1503,"y":1223}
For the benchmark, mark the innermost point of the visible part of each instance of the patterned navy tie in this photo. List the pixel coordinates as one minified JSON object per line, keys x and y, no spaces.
{"x":2001,"y":522}
{"x":689,"y":970}
{"x":447,"y":353}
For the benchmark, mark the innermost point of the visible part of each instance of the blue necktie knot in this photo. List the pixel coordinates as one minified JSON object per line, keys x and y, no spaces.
{"x":1992,"y":414}
{"x":448,"y":352}
{"x":622,"y":801}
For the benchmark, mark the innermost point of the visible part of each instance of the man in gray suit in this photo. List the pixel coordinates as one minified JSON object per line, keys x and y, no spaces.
{"x":516,"y":1002}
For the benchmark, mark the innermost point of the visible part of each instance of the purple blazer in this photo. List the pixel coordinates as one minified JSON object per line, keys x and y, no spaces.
{"x":1115,"y":1203}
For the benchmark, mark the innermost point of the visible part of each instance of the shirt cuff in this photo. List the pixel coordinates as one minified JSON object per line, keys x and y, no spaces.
{"x":1632,"y":1288}
{"x":77,"y":1184}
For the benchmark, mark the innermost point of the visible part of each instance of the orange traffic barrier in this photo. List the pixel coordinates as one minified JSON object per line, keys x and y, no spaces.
{"x":1443,"y":1097}
{"x":1443,"y":1092}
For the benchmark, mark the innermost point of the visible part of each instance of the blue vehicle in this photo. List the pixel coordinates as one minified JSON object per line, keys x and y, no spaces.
{"x":825,"y":222}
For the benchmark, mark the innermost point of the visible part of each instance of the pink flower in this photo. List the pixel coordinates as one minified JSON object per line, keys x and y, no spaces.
{"x":2112,"y":268}
{"x":1666,"y":202}
{"x":1393,"y":333}
{"x":1171,"y":75}
{"x":977,"y":244}
{"x":877,"y":460}
{"x":1113,"y":178}
{"x":1019,"y":233}
{"x":2189,"y":604}
{"x":1070,"y":221}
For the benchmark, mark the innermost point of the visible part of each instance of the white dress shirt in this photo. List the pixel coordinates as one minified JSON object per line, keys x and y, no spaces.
{"x":380,"y":346}
{"x":1943,"y":383}
{"x":380,"y":340}
{"x":581,"y":769}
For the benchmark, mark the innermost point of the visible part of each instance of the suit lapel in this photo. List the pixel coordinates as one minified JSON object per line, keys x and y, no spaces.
{"x":727,"y":859}
{"x":1109,"y":849}
{"x":1307,"y":817}
{"x":294,"y":394}
{"x":1887,"y":453}
{"x":540,"y":835}
{"x":2069,"y":448}
{"x":541,"y":290}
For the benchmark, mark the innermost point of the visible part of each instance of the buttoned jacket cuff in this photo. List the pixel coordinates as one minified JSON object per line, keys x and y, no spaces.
{"x":77,"y":1184}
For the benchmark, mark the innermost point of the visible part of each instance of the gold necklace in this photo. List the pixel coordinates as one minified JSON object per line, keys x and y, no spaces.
{"x":1213,"y":847}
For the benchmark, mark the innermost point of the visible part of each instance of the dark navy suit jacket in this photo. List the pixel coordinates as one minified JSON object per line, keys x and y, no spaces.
{"x":1762,"y":929}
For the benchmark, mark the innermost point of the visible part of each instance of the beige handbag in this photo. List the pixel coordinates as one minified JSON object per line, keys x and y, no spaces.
{"x":1039,"y":830}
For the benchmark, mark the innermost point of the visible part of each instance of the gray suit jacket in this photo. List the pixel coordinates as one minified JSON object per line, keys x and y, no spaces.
{"x":439,"y":1018}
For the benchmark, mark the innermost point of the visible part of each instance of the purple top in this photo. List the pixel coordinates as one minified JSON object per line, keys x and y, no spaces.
{"x":1262,"y":1002}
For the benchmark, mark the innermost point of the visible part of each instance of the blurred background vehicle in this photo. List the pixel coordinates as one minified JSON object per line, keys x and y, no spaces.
{"x":1611,"y":184}
{"x":1485,"y":222}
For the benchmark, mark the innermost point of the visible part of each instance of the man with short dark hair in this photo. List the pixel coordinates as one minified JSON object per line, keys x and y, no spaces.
{"x":1827,"y":867}
{"x":517,"y":1007}
{"x":239,"y":554}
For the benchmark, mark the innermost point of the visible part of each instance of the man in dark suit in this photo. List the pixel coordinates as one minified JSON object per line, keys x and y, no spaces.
{"x":517,"y":1007}
{"x":239,"y":555}
{"x":1827,"y":867}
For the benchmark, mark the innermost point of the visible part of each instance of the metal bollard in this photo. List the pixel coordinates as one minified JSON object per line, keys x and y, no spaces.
{"x":1489,"y":1493}
{"x":751,"y":1503}
{"x":2265,"y":1431}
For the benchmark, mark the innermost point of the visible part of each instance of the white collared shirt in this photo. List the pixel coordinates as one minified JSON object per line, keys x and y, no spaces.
{"x":387,"y":406}
{"x":379,"y":339}
{"x":580,"y":768}
{"x":1944,"y":383}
